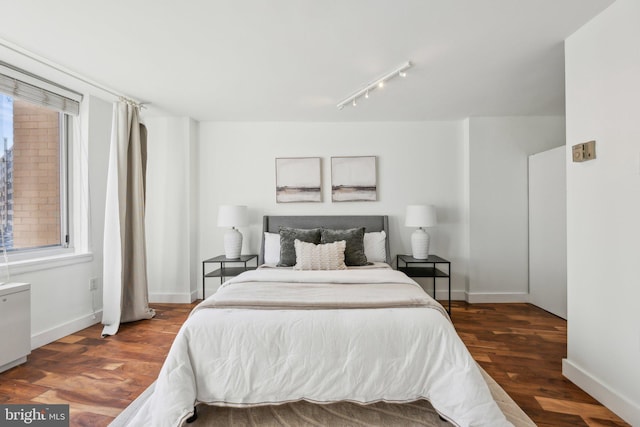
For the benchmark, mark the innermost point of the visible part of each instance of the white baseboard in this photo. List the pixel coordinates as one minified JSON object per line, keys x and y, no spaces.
{"x":10,"y":365}
{"x":57,"y":332}
{"x":602,"y":392}
{"x":173,"y":298}
{"x":444,"y":295}
{"x":486,"y":297}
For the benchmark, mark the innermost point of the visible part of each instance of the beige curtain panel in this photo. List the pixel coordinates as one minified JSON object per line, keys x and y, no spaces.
{"x":125,"y":292}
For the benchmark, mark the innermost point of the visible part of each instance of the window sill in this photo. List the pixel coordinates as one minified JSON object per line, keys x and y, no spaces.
{"x":45,"y":263}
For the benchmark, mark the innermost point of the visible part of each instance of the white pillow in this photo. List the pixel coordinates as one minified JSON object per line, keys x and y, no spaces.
{"x":271,"y":248}
{"x":375,"y":247}
{"x":328,"y":256}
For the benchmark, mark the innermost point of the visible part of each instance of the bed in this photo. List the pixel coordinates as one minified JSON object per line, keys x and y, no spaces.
{"x":362,"y":334}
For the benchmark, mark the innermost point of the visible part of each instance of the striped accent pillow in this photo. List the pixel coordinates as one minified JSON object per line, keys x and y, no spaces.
{"x":328,"y":256}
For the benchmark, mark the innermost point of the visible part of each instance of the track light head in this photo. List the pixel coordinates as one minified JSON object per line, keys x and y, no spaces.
{"x":378,"y":83}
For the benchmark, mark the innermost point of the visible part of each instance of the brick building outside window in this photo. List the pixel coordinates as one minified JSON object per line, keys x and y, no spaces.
{"x":30,"y":175}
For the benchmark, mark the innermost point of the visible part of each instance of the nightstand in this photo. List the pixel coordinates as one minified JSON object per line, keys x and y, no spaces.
{"x":223,"y":271}
{"x":434,"y":267}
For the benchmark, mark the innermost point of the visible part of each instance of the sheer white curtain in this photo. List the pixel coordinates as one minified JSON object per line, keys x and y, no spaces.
{"x":125,"y":293}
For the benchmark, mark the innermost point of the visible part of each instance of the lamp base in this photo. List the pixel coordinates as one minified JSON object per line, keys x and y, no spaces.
{"x":232,"y":244}
{"x":420,"y":244}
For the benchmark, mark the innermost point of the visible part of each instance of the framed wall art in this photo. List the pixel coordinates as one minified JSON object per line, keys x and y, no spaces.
{"x":353,"y":179}
{"x":298,"y":179}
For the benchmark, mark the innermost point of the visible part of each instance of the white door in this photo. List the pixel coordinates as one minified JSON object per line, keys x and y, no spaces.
{"x":548,"y":231}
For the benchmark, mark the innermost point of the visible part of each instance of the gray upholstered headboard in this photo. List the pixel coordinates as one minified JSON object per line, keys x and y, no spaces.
{"x":272,"y":224}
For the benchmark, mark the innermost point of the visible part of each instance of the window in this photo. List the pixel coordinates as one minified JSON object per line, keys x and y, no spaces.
{"x":34,"y":124}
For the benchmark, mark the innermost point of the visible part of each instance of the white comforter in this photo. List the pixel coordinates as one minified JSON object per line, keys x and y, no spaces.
{"x":256,"y":356}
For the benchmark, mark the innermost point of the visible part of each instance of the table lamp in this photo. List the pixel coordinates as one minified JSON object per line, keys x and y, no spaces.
{"x":232,"y":216}
{"x":420,"y":216}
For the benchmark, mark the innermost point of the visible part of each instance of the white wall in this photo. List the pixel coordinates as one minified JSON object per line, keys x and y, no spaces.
{"x":603,"y":209}
{"x":194,"y":207}
{"x":172,"y":208}
{"x":498,"y":150}
{"x":548,"y":231}
{"x":417,"y":163}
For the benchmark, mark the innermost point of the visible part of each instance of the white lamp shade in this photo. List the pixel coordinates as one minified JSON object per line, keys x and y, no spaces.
{"x":232,"y":216}
{"x":420,"y":216}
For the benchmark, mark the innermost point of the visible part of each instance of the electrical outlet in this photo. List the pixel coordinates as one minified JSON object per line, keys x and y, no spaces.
{"x":93,"y":284}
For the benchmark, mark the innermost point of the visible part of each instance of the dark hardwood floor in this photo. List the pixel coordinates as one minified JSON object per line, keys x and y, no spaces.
{"x":522,"y":346}
{"x":519,"y":345}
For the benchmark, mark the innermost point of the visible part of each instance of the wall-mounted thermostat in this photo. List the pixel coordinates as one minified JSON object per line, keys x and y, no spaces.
{"x":585,"y":151}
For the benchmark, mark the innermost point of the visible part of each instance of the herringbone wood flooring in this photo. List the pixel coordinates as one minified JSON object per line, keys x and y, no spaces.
{"x":519,"y":345}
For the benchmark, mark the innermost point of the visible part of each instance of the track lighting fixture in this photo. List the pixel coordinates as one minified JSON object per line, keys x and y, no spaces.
{"x":376,"y":84}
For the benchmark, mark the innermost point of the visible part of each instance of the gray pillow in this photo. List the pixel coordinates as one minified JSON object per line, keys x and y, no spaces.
{"x":288,"y":236}
{"x":354,"y":253}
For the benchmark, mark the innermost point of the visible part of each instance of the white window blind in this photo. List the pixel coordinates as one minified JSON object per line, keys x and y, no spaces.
{"x":15,"y":85}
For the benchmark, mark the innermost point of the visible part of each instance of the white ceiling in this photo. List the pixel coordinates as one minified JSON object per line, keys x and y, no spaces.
{"x":294,"y":60}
